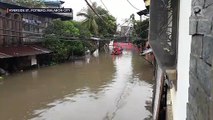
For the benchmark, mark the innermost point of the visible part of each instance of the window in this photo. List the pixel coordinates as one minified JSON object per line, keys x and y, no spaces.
{"x":16,"y":17}
{"x":8,"y":21}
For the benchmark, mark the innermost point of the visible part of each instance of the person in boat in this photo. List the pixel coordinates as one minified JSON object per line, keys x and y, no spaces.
{"x":117,"y":50}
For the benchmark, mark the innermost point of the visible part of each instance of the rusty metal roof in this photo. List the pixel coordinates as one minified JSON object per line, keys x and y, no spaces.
{"x":2,"y":55}
{"x":23,"y":50}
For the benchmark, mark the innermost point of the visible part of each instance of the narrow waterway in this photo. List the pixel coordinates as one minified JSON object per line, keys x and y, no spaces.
{"x":105,"y":87}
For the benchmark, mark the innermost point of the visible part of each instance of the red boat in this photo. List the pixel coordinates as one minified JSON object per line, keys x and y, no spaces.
{"x":117,"y":51}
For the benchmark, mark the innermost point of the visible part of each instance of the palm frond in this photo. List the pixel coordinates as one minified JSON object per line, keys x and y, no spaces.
{"x":84,"y":15}
{"x":95,"y":26}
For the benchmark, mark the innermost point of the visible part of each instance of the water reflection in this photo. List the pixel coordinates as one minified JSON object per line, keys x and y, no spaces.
{"x":105,"y":88}
{"x":96,"y":53}
{"x":87,"y":58}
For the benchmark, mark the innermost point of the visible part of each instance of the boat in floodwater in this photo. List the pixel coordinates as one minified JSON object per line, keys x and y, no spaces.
{"x":117,"y":51}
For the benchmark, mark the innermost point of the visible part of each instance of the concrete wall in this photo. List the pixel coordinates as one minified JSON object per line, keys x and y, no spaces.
{"x":10,"y":24}
{"x":158,"y":92}
{"x":180,"y":96}
{"x":200,"y":105}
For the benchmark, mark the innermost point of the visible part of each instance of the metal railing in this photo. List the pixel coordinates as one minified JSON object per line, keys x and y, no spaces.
{"x":163,"y":31}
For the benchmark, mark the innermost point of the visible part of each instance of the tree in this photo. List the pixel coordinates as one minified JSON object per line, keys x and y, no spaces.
{"x":141,"y":31}
{"x":107,"y":28}
{"x":90,"y":19}
{"x":62,"y":29}
{"x":58,"y":38}
{"x":83,"y":31}
{"x":97,"y":26}
{"x":141,"y":28}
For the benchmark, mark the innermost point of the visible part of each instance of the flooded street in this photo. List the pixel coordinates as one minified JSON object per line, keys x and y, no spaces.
{"x":97,"y":88}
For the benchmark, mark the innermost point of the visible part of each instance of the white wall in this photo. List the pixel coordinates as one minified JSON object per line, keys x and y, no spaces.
{"x":184,"y":50}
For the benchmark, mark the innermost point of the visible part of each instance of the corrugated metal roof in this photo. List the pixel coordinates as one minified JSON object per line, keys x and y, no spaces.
{"x":2,"y":55}
{"x":23,"y":50}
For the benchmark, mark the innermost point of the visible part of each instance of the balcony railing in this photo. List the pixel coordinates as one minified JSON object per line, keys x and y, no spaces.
{"x":163,"y":31}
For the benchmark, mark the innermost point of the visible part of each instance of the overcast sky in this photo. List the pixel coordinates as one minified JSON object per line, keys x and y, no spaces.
{"x":120,"y":9}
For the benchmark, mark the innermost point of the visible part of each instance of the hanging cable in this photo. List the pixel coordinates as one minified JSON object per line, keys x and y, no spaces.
{"x":132,"y":5}
{"x":94,"y":11}
{"x":104,"y":5}
{"x":124,"y":22}
{"x":128,"y":20}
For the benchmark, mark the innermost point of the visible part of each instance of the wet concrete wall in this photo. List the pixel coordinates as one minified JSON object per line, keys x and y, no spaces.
{"x":200,"y":105}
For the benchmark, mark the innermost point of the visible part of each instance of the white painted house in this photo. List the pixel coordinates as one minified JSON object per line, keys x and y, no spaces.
{"x":171,"y":43}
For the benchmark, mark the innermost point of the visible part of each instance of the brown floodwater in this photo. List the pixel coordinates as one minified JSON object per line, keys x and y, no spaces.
{"x":104,"y":87}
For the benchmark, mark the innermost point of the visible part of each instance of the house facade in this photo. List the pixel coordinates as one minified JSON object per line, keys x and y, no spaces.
{"x":181,"y":38}
{"x":21,"y":37}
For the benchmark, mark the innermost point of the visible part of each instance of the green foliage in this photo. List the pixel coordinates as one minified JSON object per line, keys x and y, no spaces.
{"x":63,"y":49}
{"x":107,"y":28}
{"x":89,"y":45}
{"x":90,"y":19}
{"x":141,"y":32}
{"x":57,"y":38}
{"x":62,"y":28}
{"x":70,"y":29}
{"x":83,"y":31}
{"x":97,"y":26}
{"x":141,"y":28}
{"x":76,"y":48}
{"x":60,"y":52}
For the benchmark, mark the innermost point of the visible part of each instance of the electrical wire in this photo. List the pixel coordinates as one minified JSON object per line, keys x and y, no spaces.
{"x":94,"y":11}
{"x":104,"y":5}
{"x":128,"y":20}
{"x":124,"y":22}
{"x":132,"y":5}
